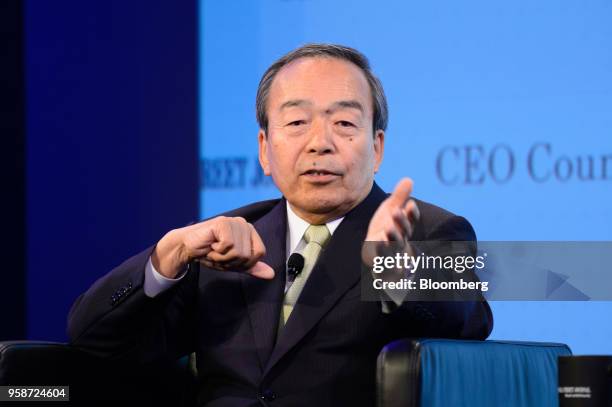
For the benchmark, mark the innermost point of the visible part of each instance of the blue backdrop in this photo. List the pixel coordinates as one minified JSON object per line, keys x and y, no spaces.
{"x":111,"y":142}
{"x":500,"y":112}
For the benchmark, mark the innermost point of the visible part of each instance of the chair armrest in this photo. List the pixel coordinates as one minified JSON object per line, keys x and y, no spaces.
{"x":38,"y":362}
{"x":92,"y":378}
{"x":446,"y":372}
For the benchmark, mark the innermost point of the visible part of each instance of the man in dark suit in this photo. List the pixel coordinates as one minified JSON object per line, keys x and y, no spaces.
{"x":220,"y":288}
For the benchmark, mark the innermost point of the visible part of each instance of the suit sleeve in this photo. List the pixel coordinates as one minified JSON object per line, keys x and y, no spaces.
{"x":116,"y":319}
{"x":460,"y":319}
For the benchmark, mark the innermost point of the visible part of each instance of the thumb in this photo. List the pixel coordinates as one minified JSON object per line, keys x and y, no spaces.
{"x":401,"y":193}
{"x":261,"y":270}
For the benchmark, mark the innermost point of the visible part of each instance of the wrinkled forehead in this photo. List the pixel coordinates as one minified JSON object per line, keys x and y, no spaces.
{"x":321,"y":81}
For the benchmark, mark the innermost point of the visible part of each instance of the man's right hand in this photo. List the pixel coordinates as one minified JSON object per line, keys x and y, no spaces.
{"x":221,"y":243}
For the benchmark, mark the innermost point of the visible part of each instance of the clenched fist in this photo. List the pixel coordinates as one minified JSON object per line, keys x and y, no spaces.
{"x":221,"y":243}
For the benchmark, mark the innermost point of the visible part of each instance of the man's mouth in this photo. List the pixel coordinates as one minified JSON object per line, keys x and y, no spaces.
{"x":319,"y":172}
{"x":320,"y":176}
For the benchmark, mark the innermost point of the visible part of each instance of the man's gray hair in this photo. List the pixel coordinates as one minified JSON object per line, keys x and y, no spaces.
{"x":380,"y":111}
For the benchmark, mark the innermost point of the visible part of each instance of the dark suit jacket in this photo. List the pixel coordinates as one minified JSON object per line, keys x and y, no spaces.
{"x":326,"y":354}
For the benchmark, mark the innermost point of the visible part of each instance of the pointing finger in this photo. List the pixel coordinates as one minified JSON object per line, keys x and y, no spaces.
{"x":401,"y":194}
{"x":261,"y":270}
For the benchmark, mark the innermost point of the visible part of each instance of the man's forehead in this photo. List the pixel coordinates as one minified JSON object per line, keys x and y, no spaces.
{"x":320,"y":79}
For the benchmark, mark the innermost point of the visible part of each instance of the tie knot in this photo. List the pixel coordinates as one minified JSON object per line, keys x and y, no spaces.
{"x":318,"y":234}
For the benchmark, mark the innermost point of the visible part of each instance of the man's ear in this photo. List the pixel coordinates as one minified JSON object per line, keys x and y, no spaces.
{"x":379,"y":148}
{"x":263,"y":151}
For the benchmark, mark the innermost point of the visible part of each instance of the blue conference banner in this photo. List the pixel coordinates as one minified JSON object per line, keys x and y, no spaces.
{"x":499,"y":112}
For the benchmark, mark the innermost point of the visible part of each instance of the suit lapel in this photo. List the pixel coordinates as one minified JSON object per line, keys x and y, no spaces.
{"x":337,"y":269}
{"x":264,"y":297}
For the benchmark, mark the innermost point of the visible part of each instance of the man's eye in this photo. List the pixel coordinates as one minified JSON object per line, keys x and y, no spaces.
{"x":296,"y":123}
{"x":344,"y":123}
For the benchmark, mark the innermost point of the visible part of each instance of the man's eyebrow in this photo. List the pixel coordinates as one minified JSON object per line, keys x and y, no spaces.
{"x":346,"y":104}
{"x":294,"y":103}
{"x":341,"y":104}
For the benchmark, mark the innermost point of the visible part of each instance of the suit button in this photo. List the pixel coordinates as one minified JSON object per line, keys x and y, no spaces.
{"x":268,"y":395}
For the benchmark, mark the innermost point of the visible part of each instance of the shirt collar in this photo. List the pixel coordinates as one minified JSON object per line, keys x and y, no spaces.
{"x":297,"y":227}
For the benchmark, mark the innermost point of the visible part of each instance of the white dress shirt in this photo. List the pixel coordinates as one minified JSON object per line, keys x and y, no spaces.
{"x":296,"y":227}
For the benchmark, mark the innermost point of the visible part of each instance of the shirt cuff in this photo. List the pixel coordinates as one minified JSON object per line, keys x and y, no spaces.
{"x":155,"y":283}
{"x":397,"y":296}
{"x":393,"y":299}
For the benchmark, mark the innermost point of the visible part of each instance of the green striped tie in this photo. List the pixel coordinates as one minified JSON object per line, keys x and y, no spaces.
{"x":316,"y":236}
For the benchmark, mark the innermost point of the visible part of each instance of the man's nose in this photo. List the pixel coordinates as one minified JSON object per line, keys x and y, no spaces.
{"x":320,"y":138}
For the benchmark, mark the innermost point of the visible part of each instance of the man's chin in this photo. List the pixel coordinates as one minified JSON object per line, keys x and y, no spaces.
{"x":323,"y":203}
{"x":325,"y":207}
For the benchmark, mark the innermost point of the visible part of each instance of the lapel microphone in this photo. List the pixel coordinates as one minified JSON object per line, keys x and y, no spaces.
{"x":295,"y":264}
